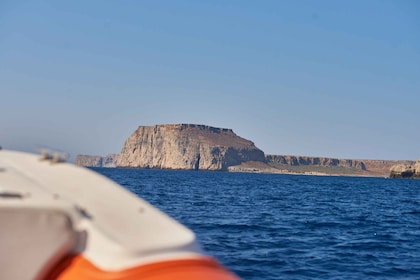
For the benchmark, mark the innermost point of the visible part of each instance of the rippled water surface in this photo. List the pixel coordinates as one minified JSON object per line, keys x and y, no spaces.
{"x":292,"y":227}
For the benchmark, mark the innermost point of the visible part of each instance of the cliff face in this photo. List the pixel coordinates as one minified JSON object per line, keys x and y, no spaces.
{"x":187,"y":146}
{"x":319,"y":161}
{"x":382,"y":167}
{"x":97,"y":161}
{"x":201,"y":147}
{"x":406,"y":170}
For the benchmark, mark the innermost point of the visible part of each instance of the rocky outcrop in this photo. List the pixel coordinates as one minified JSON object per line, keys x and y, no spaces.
{"x":382,"y":167}
{"x":97,"y":161}
{"x":405,"y":170}
{"x":187,"y":146}
{"x":201,"y":147}
{"x":315,"y":161}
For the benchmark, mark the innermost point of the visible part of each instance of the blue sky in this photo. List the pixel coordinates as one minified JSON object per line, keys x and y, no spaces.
{"x":318,"y":78}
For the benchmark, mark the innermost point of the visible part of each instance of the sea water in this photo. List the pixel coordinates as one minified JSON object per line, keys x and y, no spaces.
{"x":266,"y":226}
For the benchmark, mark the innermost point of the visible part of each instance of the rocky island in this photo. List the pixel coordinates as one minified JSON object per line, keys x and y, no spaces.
{"x":202,"y":147}
{"x":187,"y":146}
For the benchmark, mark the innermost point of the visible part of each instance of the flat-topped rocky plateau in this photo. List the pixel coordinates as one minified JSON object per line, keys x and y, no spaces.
{"x":202,"y":147}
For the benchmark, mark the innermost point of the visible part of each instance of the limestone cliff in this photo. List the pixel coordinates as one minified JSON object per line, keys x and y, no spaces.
{"x":382,"y":167}
{"x":201,"y":147}
{"x":315,"y":161}
{"x":406,"y":170}
{"x":97,"y":161}
{"x":187,"y":146}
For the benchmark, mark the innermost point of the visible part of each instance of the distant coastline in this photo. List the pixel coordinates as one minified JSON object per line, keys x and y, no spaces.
{"x":202,"y":147}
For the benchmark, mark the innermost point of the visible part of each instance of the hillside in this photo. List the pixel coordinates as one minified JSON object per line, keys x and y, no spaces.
{"x":332,"y":166}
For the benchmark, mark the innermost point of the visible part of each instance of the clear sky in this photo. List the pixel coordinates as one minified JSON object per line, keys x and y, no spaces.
{"x":317,"y":78}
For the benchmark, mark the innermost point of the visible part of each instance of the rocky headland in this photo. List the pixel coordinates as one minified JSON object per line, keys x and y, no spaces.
{"x":97,"y":161}
{"x":202,"y":147}
{"x":410,"y":170}
{"x":187,"y":146}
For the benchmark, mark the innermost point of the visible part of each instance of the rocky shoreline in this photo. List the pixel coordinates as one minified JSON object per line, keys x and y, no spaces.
{"x":406,"y":171}
{"x":201,"y":147}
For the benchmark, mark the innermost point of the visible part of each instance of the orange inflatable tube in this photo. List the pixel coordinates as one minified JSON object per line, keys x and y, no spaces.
{"x":203,"y":268}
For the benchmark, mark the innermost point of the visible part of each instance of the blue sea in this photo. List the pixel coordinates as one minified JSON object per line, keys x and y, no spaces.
{"x":265,"y":226}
